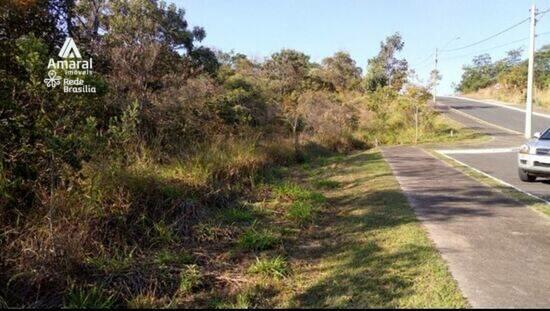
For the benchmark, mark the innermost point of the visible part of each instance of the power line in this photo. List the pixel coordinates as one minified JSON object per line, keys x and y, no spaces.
{"x":494,"y":47}
{"x":424,"y":60}
{"x":488,"y":38}
{"x":543,"y":12}
{"x":484,"y":50}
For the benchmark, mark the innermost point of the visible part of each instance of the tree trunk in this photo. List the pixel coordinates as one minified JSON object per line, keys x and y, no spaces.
{"x":296,"y":139}
{"x":416,"y":125}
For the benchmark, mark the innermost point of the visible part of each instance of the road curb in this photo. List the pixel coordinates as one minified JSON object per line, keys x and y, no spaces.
{"x":502,"y":182}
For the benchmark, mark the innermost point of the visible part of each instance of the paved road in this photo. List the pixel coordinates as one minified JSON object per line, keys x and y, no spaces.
{"x":503,"y":166}
{"x":500,"y":165}
{"x":508,"y":118}
{"x":498,"y":252}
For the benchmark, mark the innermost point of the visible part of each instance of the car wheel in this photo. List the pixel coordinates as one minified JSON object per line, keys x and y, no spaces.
{"x":524,"y":176}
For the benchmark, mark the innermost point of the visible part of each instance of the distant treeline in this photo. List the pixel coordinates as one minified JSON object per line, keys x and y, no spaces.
{"x":510,"y":73}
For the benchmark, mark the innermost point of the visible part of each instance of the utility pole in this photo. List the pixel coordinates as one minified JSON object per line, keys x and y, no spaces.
{"x":435,"y":76}
{"x":529,"y":102}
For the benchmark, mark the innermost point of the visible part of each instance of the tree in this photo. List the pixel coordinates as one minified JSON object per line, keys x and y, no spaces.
{"x":142,"y":42}
{"x":287,"y":71}
{"x":43,"y":131}
{"x":341,"y":71}
{"x":418,"y":97}
{"x":385,"y":69}
{"x":479,"y":75}
{"x":513,"y":57}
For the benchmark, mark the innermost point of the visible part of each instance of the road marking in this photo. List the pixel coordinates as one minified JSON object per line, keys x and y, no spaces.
{"x":484,"y":122}
{"x":491,"y":177}
{"x":500,"y":105}
{"x":445,"y":153}
{"x":478,"y":151}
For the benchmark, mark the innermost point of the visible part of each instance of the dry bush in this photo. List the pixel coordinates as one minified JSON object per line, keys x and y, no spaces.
{"x":182,"y":117}
{"x":329,"y":122}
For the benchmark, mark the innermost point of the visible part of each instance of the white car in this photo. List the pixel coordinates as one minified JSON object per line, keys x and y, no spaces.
{"x":534,"y":157}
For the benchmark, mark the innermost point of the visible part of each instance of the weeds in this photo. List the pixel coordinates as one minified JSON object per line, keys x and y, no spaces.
{"x":290,"y":191}
{"x":301,"y":212}
{"x":164,"y":234}
{"x":88,"y":298}
{"x":3,"y":303}
{"x":276,"y":267}
{"x":146,"y":301}
{"x":241,"y":301}
{"x":231,"y":215}
{"x":169,"y":258}
{"x":190,"y":278}
{"x":294,"y":192}
{"x":258,"y":240}
{"x":117,"y":262}
{"x":327,"y":184}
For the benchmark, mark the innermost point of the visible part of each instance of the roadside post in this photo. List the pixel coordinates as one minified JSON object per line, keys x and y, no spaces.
{"x":529,"y":101}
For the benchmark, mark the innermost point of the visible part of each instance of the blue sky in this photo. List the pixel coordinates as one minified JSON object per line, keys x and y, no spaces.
{"x":320,"y":28}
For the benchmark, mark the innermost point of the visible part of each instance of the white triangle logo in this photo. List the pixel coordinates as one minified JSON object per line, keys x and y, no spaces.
{"x":69,"y":49}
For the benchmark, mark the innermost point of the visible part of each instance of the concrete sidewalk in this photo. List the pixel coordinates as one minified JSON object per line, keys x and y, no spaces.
{"x":496,"y":249}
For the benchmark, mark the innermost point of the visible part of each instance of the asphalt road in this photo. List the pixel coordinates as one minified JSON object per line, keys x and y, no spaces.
{"x":502,"y":166}
{"x":496,"y":249}
{"x":508,"y":118}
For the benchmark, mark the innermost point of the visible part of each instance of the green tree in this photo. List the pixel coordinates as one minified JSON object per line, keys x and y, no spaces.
{"x":341,"y":71}
{"x":479,"y":75}
{"x":287,"y":71}
{"x":386,"y":69}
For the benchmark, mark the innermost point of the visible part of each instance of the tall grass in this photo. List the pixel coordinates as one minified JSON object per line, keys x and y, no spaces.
{"x":119,"y":223}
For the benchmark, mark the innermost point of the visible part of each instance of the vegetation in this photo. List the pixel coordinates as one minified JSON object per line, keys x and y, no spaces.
{"x":506,"y":79}
{"x":276,"y":267}
{"x":161,"y":188}
{"x":365,"y":249}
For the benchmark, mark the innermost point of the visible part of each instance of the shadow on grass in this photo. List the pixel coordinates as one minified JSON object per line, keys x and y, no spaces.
{"x":370,"y":250}
{"x":355,"y":275}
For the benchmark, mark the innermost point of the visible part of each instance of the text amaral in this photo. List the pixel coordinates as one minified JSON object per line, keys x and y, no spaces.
{"x":72,"y":67}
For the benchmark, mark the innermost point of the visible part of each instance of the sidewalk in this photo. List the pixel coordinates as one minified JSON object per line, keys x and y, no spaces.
{"x":497,"y":250}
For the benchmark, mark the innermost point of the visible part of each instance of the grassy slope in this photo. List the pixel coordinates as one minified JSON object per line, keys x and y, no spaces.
{"x":334,"y":232}
{"x":366,"y":248}
{"x":542,"y":97}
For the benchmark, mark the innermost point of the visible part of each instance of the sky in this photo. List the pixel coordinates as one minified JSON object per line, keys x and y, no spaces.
{"x":320,"y":28}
